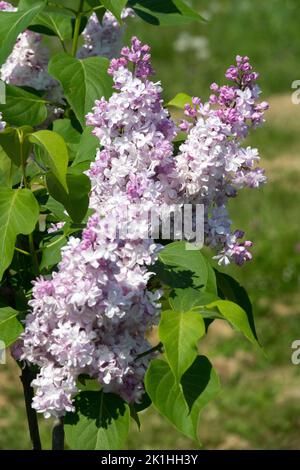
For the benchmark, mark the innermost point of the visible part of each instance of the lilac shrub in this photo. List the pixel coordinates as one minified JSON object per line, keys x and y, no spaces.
{"x":82,"y":285}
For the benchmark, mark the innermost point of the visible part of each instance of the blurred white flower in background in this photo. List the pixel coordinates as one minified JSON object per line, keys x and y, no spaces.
{"x":197,"y":44}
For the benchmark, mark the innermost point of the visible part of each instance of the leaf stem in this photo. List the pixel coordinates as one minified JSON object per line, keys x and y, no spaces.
{"x":77,"y":28}
{"x":34,"y":257}
{"x":26,"y":378}
{"x":158,"y":347}
{"x":58,"y":435}
{"x":22,"y":251}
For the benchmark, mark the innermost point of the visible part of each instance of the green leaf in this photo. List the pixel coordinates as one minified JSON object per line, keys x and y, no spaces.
{"x":192,"y":261}
{"x":235,"y":315}
{"x":101,"y":422}
{"x":188,"y":274}
{"x":182,"y":404}
{"x":180,"y":100}
{"x":87,"y":148}
{"x":10,"y":142}
{"x":53,"y":24}
{"x":14,"y":23}
{"x":182,"y":300}
{"x":115,"y":6}
{"x":55,"y":153}
{"x":230,"y":289}
{"x":83,"y":81}
{"x":52,"y":252}
{"x":19,"y":212}
{"x":180,"y":333}
{"x":10,"y":326}
{"x":23,"y":107}
{"x":166,"y":12}
{"x":99,"y":12}
{"x":57,"y":209}
{"x":211,"y":285}
{"x":10,"y":174}
{"x":71,"y":136}
{"x":76,"y":200}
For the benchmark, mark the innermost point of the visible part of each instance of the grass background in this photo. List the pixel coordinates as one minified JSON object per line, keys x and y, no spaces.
{"x":259,"y":405}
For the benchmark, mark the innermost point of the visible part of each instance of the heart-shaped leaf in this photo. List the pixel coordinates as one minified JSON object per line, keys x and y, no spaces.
{"x":83,"y":81}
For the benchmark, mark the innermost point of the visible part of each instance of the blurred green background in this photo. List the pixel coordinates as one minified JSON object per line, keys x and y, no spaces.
{"x":259,"y":406}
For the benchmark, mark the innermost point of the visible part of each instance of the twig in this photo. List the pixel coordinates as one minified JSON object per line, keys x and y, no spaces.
{"x":58,"y":435}
{"x":158,"y":347}
{"x":26,"y":378}
{"x":77,"y":28}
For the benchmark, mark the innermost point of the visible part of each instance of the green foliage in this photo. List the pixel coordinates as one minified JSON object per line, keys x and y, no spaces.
{"x":14,"y":23}
{"x":182,"y":403}
{"x":19,"y":213}
{"x":115,"y":6}
{"x":86,"y":149}
{"x":189,"y":278}
{"x":230,"y":289}
{"x":83,"y":81}
{"x":71,"y":136}
{"x":23,"y":107}
{"x":53,"y":24}
{"x":166,"y":13}
{"x":236,"y":316}
{"x":180,"y":333}
{"x":76,"y":199}
{"x":10,"y":326}
{"x":101,"y":422}
{"x":9,"y":173}
{"x":55,"y":153}
{"x":180,"y":100}
{"x":10,"y":142}
{"x":52,"y":252}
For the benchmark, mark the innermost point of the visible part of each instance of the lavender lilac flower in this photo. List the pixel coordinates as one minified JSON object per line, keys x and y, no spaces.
{"x":91,"y":317}
{"x":105,"y":38}
{"x":213,"y":165}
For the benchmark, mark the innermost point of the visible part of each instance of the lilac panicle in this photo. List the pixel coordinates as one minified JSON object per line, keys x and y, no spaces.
{"x":92,"y":315}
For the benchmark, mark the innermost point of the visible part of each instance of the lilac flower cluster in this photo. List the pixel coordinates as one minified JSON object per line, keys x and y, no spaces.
{"x":28,"y":62}
{"x":105,"y":38}
{"x":27,"y":65}
{"x":91,"y":317}
{"x":213,"y":165}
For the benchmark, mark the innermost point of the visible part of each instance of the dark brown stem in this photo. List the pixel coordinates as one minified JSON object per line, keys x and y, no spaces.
{"x":58,"y":435}
{"x":27,"y":377}
{"x":158,"y":347}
